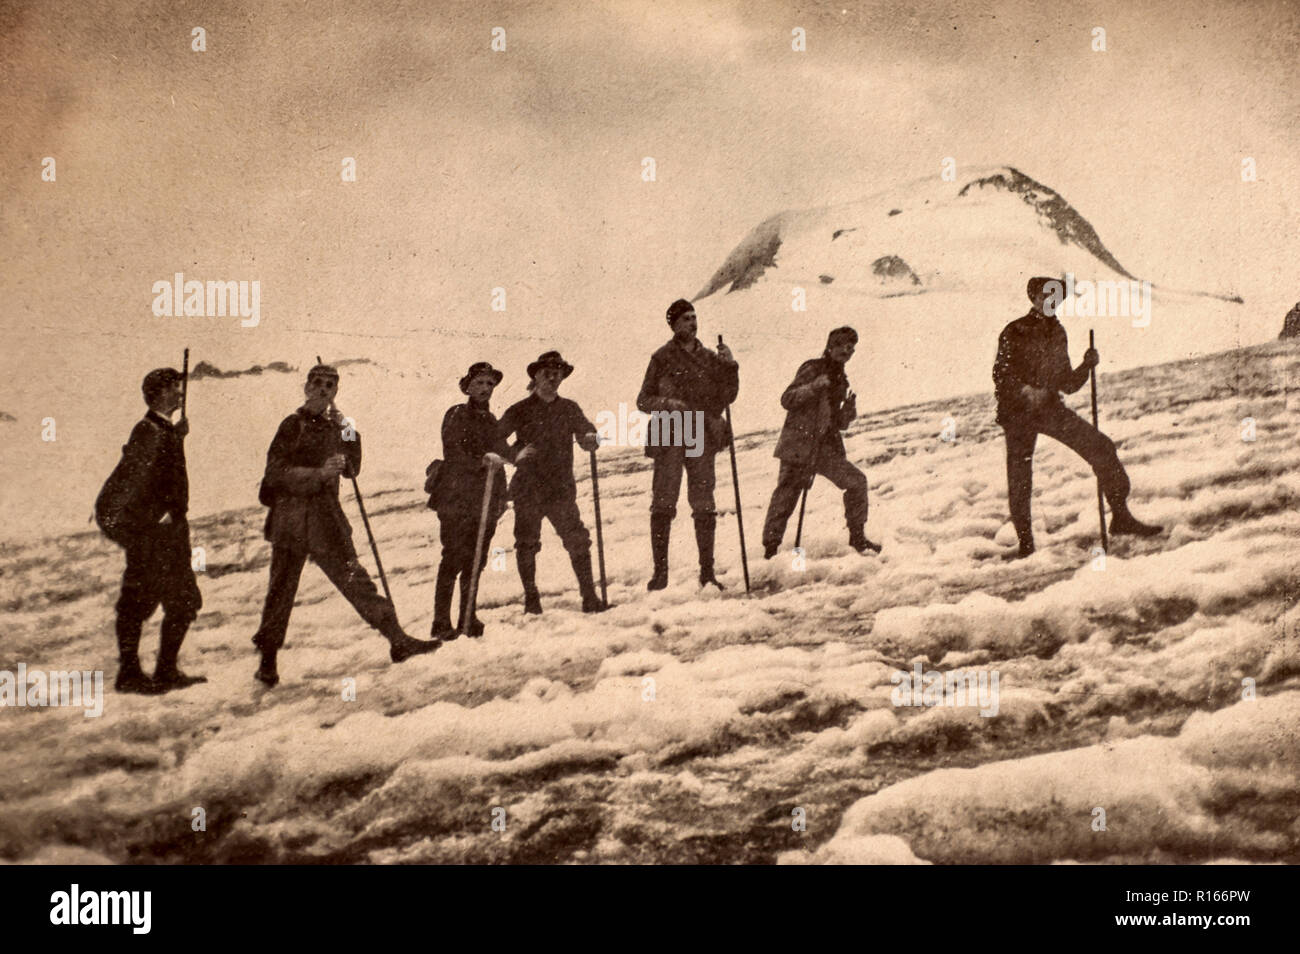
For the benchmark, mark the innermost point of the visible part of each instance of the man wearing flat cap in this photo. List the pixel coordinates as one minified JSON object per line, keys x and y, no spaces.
{"x":543,"y":484}
{"x":143,"y":507}
{"x":819,"y":404}
{"x":684,"y":376}
{"x":471,"y":449}
{"x":1031,"y":370}
{"x":311,"y":450}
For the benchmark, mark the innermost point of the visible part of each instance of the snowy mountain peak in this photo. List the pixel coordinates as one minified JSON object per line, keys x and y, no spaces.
{"x":924,"y":235}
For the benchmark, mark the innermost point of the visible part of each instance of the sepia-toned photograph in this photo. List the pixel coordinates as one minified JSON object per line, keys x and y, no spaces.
{"x":649,"y":433}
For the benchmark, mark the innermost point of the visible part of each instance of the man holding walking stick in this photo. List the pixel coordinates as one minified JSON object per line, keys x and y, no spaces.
{"x":685,"y":377}
{"x":818,"y":406}
{"x":471,"y":470}
{"x":311,"y":450}
{"x":544,"y":484}
{"x":1031,"y":370}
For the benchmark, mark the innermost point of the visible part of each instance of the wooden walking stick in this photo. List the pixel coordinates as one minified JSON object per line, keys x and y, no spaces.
{"x":735,"y":481}
{"x":798,"y":533}
{"x":185,"y":380}
{"x":472,"y":601}
{"x":1101,"y":506}
{"x":600,"y":537}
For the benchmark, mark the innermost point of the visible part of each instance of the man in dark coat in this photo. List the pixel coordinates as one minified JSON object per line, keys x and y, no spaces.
{"x":544,"y":485}
{"x":471,"y":449}
{"x":686,"y":377}
{"x":819,"y":404}
{"x":311,"y":449}
{"x":1031,"y":370}
{"x":148,"y":516}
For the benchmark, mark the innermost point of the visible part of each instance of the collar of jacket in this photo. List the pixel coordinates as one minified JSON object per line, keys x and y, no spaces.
{"x":305,"y":413}
{"x":693,"y":348}
{"x":159,"y":420}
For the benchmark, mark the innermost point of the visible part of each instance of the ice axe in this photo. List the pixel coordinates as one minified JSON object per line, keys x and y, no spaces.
{"x":735,"y":482}
{"x":471,"y":601}
{"x":1101,"y":505}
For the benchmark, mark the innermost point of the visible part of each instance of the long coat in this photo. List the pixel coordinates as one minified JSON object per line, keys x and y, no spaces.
{"x":306,"y":514}
{"x":814,"y":417}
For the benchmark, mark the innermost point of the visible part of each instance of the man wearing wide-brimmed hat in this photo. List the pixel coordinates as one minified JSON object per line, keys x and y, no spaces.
{"x":686,"y":377}
{"x":471,"y":450}
{"x":544,"y":485}
{"x":1031,"y":370}
{"x":313,"y":447}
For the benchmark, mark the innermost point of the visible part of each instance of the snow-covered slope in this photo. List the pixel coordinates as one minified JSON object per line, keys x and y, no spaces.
{"x":689,"y":726}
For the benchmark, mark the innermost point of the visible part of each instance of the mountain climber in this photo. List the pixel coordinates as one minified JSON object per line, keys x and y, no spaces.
{"x":543,"y":484}
{"x":311,"y":449}
{"x":143,"y":507}
{"x":819,"y":404}
{"x":471,"y":449}
{"x":1031,"y":370}
{"x":684,"y":376}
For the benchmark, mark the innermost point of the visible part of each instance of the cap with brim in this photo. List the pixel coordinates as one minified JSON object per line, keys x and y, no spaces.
{"x":477,"y":368}
{"x":323,"y":371}
{"x":550,"y":359}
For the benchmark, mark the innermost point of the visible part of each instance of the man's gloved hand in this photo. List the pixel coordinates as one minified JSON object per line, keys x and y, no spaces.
{"x":589,"y":441}
{"x":1091,"y":358}
{"x":725,"y":353}
{"x":183,"y":427}
{"x":527,"y":453}
{"x":491,"y":459}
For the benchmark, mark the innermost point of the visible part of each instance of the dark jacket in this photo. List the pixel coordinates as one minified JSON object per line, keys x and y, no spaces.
{"x":696,"y":376}
{"x":814,"y":417}
{"x":467,"y":434}
{"x":148,"y":483}
{"x":306,"y":514}
{"x":550,"y":428}
{"x":1033,"y":350}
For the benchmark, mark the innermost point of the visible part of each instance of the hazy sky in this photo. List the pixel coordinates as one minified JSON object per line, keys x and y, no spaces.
{"x":522,"y":168}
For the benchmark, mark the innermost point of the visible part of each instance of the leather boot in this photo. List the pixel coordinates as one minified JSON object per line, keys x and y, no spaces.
{"x":442,"y":592}
{"x":167,"y":675}
{"x":858,"y":541}
{"x":527,"y":563}
{"x":1123,"y":522}
{"x":402,"y":647}
{"x":705,"y":527}
{"x":473,"y":626}
{"x":591,"y":601}
{"x":130,"y":677}
{"x":661,"y":525}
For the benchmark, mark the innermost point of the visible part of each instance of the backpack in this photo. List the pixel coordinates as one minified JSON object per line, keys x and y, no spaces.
{"x":113,"y":503}
{"x":432,"y":473}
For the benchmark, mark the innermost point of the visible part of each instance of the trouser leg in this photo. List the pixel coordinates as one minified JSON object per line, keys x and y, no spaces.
{"x":352,"y":580}
{"x":1093,"y":446}
{"x":181,"y":602}
{"x":286,"y":571}
{"x":1020,"y":477}
{"x":135,"y":604}
{"x":666,"y":484}
{"x":701,"y":477}
{"x":790,"y":483}
{"x":853,"y":482}
{"x":567,"y":521}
